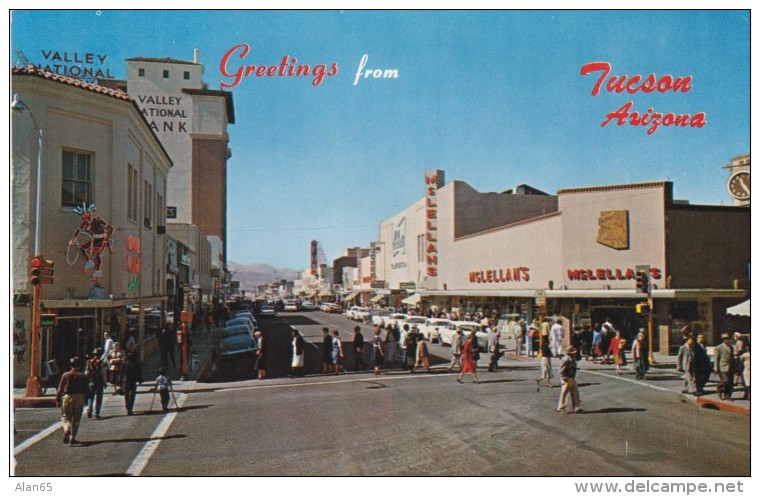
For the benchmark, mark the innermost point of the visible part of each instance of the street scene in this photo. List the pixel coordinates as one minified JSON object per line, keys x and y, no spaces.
{"x":381,"y":243}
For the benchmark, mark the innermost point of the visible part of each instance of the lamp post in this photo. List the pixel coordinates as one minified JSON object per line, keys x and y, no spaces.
{"x":33,"y":383}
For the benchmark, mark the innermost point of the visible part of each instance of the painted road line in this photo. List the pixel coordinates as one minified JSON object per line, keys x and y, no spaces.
{"x":421,"y":375}
{"x":144,"y":456}
{"x":36,"y":438}
{"x":632,"y":381}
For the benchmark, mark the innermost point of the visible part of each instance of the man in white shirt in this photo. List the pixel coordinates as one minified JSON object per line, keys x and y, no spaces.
{"x":107,"y":347}
{"x":556,"y":336}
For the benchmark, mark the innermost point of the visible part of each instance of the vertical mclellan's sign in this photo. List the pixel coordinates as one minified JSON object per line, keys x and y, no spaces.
{"x":433,"y":181}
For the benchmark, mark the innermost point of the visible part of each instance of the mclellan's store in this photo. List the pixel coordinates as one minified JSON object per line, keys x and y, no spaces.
{"x":573,"y":254}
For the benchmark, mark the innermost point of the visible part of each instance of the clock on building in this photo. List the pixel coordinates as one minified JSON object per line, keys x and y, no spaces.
{"x":738,"y":185}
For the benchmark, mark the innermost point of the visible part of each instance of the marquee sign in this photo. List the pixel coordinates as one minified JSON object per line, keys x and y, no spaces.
{"x":433,"y":181}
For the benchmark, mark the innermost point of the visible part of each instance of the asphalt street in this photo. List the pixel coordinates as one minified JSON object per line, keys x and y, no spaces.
{"x":395,"y":424}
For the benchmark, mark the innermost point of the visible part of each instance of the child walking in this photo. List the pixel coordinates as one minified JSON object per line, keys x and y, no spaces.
{"x":163,"y":387}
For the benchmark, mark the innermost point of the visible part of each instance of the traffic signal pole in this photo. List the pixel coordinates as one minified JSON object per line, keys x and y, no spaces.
{"x":33,"y":388}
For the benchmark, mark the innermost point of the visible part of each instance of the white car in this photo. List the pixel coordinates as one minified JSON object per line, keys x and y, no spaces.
{"x":361,"y":314}
{"x":413,"y":320}
{"x":267,"y":310}
{"x":377,"y":315}
{"x":432,"y":329}
{"x":350,"y":311}
{"x":447,"y":333}
{"x":291,"y":306}
{"x":395,"y":318}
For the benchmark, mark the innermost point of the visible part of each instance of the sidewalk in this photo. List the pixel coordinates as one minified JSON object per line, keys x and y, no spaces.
{"x":200,"y":358}
{"x":666,"y":365}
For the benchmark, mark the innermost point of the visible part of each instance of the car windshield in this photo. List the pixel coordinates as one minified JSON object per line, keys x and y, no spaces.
{"x":416,"y":320}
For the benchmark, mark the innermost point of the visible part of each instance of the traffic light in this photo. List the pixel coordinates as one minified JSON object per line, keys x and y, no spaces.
{"x":642,"y":308}
{"x":642,"y":282}
{"x":42,"y":271}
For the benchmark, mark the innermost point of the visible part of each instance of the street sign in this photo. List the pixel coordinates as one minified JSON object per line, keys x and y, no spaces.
{"x":47,"y":319}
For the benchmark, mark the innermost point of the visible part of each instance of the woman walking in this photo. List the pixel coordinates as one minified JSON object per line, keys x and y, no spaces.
{"x":617,"y":350}
{"x":296,"y":366}
{"x":546,"y":363}
{"x":377,"y":351}
{"x":337,"y":352}
{"x":261,"y":359}
{"x":468,"y":363}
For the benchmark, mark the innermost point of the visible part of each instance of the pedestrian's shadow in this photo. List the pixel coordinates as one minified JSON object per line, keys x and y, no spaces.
{"x":615,"y":410}
{"x":495,"y":381}
{"x":174,"y":409}
{"x":585,"y":384}
{"x":87,"y":444}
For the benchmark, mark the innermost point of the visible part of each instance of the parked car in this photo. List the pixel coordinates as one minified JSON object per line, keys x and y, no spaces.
{"x":331,"y":308}
{"x":290,"y":306}
{"x":237,"y":344}
{"x":395,"y":318}
{"x":432,"y":329}
{"x":413,"y":320}
{"x":351,"y":310}
{"x":467,"y":327}
{"x":377,"y":314}
{"x":361,"y":314}
{"x":267,"y":310}
{"x":307,"y":306}
{"x":235,"y":329}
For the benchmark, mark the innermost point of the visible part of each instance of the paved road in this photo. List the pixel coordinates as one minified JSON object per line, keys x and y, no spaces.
{"x":401,"y":424}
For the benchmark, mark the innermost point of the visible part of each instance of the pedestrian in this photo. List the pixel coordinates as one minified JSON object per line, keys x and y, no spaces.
{"x":70,"y":398}
{"x":327,"y":351}
{"x":261,"y":357}
{"x":518,"y":332}
{"x":166,"y":344}
{"x":640,"y":356}
{"x":411,"y":347}
{"x":115,"y":361}
{"x":596,"y":345}
{"x":337,"y":352}
{"x":702,"y":365}
{"x":685,"y":363}
{"x":423,"y":358}
{"x":469,"y":366}
{"x":532,"y":335}
{"x":377,"y":351}
{"x":403,"y":350}
{"x":296,"y":365}
{"x":608,"y":332}
{"x":617,"y":350}
{"x":494,"y":346}
{"x":546,"y":363}
{"x":108,"y":344}
{"x":392,"y":336}
{"x":745,"y":362}
{"x":556,"y":337}
{"x":738,"y":344}
{"x":358,"y":346}
{"x":131,"y":344}
{"x":96,"y":383}
{"x":131,"y":376}
{"x":724,"y":367}
{"x":456,"y":350}
{"x":586,"y":337}
{"x":567,"y":370}
{"x":163,"y":388}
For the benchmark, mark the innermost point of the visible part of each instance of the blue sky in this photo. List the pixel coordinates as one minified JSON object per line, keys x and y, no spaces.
{"x":493,"y":98}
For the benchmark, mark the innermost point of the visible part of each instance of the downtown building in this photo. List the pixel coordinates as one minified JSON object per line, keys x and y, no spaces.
{"x":96,"y":148}
{"x":572,"y":255}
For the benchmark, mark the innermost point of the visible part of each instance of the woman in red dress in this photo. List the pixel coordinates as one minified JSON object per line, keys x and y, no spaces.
{"x":468,"y":364}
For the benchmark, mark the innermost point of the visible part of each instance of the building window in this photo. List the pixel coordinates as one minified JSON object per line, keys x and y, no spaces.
{"x":421,"y":248}
{"x":76,"y":185}
{"x":160,"y":210}
{"x":166,"y":74}
{"x":148,"y":207}
{"x":132,"y":193}
{"x":186,"y":75}
{"x":141,"y":72}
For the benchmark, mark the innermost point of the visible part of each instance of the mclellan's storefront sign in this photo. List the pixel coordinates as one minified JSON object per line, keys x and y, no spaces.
{"x":608,"y":274}
{"x":514,"y":274}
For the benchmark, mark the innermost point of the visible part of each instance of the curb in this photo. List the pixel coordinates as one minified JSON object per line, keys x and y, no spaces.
{"x":34,"y":402}
{"x":722,"y":405}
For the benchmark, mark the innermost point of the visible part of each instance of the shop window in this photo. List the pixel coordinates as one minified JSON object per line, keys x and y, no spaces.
{"x":76,"y":184}
{"x":148,"y":207}
{"x":131,"y":193}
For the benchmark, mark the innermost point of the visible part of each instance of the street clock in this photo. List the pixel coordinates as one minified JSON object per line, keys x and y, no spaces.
{"x":738,"y":185}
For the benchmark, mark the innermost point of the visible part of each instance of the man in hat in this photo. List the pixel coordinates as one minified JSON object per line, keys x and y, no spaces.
{"x":567,"y":370}
{"x":724,"y":366}
{"x":70,"y":397}
{"x":686,"y":366}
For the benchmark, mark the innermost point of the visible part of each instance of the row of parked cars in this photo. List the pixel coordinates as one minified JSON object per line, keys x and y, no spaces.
{"x":434,"y":329}
{"x":237,"y":336}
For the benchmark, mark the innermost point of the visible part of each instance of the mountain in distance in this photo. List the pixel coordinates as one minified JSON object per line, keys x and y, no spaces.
{"x":256,"y":274}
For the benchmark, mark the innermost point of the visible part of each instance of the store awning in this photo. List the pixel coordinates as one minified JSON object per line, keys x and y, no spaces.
{"x":412,"y":300}
{"x":377,"y":298}
{"x":493,"y":293}
{"x":740,"y":309}
{"x":350,"y":296}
